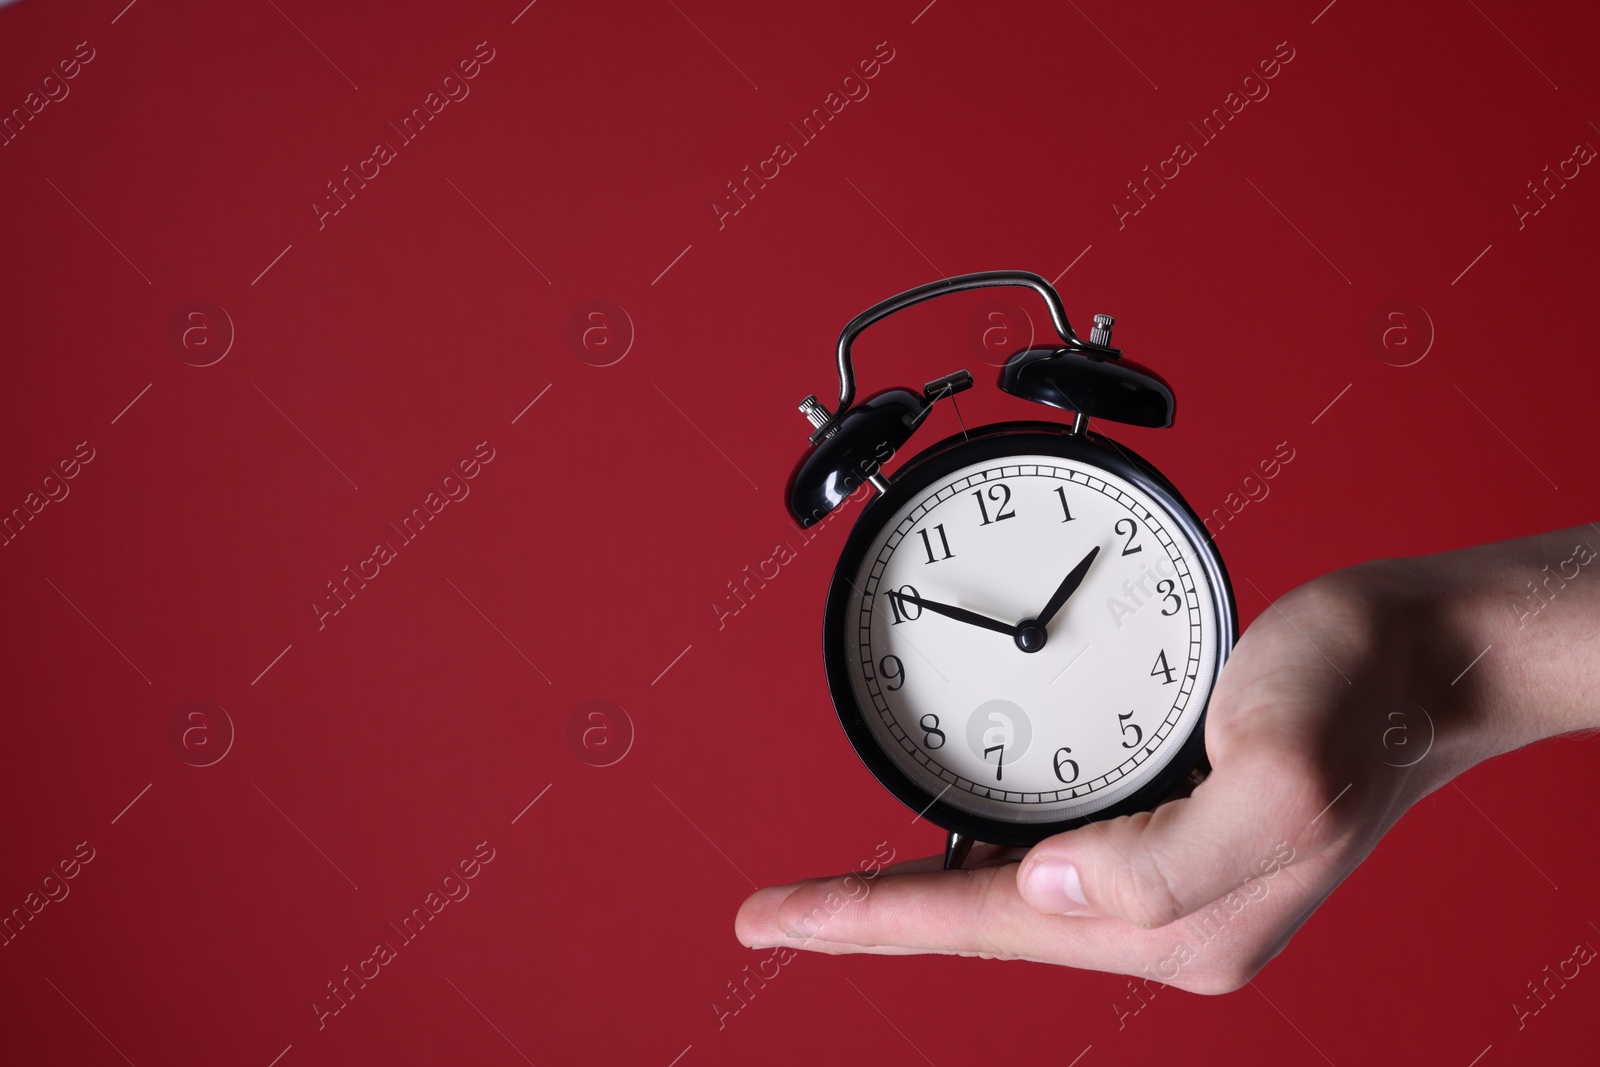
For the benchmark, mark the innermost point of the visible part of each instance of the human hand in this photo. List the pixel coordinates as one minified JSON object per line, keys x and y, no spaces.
{"x":1309,"y":772}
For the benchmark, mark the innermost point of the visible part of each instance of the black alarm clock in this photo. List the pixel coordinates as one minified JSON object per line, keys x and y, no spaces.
{"x":1027,"y":620}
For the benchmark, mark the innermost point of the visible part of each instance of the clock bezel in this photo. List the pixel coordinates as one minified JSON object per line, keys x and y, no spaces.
{"x":917,"y":474}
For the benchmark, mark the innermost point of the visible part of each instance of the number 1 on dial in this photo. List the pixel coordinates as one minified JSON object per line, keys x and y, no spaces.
{"x":1062,"y":493}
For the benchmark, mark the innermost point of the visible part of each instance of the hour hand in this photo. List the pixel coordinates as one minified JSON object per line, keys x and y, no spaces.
{"x":959,"y":614}
{"x":1069,"y":585}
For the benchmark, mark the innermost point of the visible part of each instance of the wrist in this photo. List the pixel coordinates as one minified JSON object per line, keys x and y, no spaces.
{"x":1501,"y":639}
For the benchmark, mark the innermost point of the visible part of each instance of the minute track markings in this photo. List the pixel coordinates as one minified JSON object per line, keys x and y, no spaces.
{"x":867,"y":609}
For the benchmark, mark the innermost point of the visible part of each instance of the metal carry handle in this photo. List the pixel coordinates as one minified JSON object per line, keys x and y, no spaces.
{"x":960,"y":283}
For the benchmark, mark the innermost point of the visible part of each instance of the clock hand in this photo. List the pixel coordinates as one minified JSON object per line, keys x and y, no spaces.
{"x":1068,"y":586}
{"x":959,"y":614}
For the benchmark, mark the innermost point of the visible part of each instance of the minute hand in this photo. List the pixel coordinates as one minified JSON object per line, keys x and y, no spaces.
{"x":959,"y":614}
{"x":1068,"y":586}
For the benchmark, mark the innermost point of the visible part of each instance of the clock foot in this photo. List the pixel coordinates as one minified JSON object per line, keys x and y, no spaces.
{"x":956,"y":847}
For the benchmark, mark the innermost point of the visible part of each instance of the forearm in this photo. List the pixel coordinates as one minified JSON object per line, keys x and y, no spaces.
{"x":1525,"y":615}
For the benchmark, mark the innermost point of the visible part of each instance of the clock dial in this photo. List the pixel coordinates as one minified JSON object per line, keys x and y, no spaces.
{"x":1031,"y":639}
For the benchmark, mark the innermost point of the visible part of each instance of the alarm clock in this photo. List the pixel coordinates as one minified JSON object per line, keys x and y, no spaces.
{"x":1027,"y":619}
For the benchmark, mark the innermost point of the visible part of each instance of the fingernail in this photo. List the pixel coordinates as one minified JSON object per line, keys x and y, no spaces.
{"x":1053,"y":887}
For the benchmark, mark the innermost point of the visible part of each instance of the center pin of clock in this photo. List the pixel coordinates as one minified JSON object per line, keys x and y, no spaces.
{"x":1030,"y":635}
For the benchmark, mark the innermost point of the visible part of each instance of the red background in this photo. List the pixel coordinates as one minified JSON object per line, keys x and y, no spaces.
{"x":407,"y":330}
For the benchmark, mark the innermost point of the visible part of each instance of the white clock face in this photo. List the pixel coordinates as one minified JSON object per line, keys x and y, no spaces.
{"x":1031,"y":736}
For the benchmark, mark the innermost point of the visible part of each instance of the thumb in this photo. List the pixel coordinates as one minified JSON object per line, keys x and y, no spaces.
{"x":1241,"y":824}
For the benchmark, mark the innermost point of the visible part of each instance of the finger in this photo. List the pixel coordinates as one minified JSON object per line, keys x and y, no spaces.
{"x":846,"y":948}
{"x":980,"y":913}
{"x":974,"y":912}
{"x":756,"y":924}
{"x":1244,"y":822}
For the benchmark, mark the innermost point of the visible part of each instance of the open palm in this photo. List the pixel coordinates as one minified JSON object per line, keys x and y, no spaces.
{"x":1326,"y":724}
